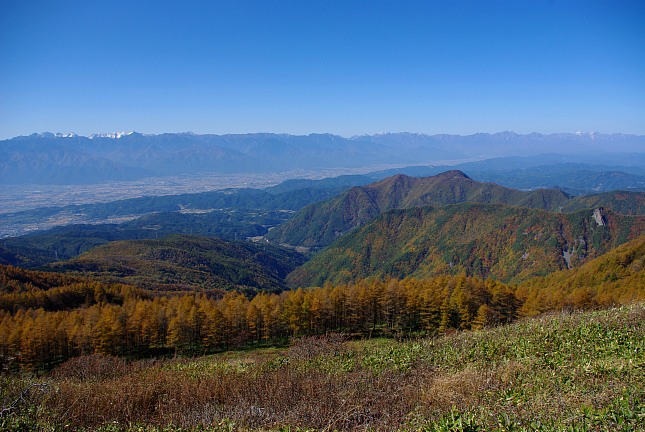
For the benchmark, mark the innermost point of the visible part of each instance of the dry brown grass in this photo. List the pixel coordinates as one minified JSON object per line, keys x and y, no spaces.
{"x":358,"y":400}
{"x":461,"y":390}
{"x":563,"y":372}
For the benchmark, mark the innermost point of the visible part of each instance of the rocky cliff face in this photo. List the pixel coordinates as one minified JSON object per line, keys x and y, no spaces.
{"x":599,"y":216}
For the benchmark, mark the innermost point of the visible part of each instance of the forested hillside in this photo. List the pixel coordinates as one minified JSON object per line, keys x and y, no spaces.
{"x":629,"y":203}
{"x":182,"y":262}
{"x":45,"y":318}
{"x":509,"y":244}
{"x":481,"y":255}
{"x":319,"y":224}
{"x":617,"y":277}
{"x":65,"y":242}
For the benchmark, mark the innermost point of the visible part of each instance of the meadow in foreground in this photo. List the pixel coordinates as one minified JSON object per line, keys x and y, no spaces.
{"x":566,"y":371}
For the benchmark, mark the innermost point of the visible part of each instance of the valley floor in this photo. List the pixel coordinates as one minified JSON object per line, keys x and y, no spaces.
{"x":580,"y":371}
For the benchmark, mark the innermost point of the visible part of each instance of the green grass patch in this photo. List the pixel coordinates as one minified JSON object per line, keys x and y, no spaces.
{"x":558,"y":372}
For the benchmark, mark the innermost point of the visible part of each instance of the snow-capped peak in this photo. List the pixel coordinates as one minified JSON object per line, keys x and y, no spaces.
{"x":57,"y":135}
{"x":592,"y":135}
{"x":115,"y":135}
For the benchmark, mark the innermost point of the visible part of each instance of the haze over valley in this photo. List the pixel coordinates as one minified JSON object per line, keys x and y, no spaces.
{"x":71,"y":170}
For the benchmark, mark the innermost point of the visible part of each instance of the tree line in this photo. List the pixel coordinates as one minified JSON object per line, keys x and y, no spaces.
{"x":46,"y":318}
{"x":116,"y":320}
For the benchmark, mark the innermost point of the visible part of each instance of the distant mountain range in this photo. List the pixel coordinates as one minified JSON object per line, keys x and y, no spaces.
{"x":71,"y":159}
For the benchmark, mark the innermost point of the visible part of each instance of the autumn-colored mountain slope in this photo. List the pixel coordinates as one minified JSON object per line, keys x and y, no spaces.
{"x":14,"y":280}
{"x":624,"y":202}
{"x":617,"y":277}
{"x":506,"y":243}
{"x":187,"y":262}
{"x":47,"y":317}
{"x":22,"y":289}
{"x":320,"y":224}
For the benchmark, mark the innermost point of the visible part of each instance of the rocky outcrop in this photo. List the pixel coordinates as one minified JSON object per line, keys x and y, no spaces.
{"x":599,"y":216}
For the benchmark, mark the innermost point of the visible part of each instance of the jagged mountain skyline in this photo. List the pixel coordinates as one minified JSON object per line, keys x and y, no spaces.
{"x":120,"y":134}
{"x":49,"y":158}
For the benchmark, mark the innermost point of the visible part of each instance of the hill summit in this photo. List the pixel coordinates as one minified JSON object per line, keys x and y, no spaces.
{"x":319,"y":224}
{"x":185,"y":262}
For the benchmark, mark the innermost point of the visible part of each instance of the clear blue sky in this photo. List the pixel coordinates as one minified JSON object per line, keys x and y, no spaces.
{"x":345,"y":67}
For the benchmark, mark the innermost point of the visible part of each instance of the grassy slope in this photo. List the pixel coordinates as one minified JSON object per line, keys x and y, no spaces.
{"x":577,"y":372}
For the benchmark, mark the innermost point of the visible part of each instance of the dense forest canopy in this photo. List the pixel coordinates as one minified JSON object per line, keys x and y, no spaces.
{"x":48,"y":317}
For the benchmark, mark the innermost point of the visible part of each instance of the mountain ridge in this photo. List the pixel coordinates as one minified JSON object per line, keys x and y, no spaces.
{"x":134,"y":156}
{"x":318,"y":224}
{"x":506,"y":243}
